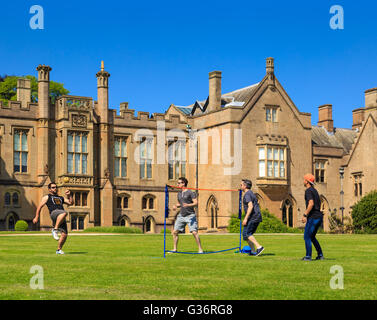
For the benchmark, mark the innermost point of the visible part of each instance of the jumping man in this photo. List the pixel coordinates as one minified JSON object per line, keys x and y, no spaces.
{"x":187,"y":200}
{"x":54,"y":204}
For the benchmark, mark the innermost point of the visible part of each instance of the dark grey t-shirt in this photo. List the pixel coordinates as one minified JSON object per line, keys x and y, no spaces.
{"x":186,"y":197}
{"x":255,"y":215}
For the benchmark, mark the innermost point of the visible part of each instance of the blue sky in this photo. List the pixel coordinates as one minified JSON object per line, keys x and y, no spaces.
{"x":160,"y":52}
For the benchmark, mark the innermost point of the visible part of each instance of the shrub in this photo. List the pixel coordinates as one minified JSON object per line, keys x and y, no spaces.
{"x":269,"y":224}
{"x":336,"y":225}
{"x":115,"y":229}
{"x":364,"y":214}
{"x":21,"y":225}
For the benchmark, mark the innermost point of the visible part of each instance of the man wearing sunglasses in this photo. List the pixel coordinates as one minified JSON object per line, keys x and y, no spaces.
{"x":187,"y":200}
{"x":54,"y":203}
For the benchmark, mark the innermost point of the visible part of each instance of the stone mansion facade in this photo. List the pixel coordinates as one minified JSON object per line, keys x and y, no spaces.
{"x":117,"y":165}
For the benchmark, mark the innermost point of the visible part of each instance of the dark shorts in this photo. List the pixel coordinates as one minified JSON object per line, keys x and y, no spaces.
{"x":249,"y":229}
{"x":63,"y":225}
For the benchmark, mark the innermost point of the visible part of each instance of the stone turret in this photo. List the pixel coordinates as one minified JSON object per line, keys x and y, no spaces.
{"x":103,"y":94}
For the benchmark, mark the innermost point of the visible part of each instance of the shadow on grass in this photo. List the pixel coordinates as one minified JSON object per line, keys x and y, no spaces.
{"x":76,"y":253}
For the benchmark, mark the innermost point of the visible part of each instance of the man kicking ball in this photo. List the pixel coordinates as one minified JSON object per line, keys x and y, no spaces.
{"x":54,"y":204}
{"x":186,"y":202}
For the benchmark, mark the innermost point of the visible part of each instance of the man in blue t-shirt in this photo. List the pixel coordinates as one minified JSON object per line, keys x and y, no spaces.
{"x":252,"y":218}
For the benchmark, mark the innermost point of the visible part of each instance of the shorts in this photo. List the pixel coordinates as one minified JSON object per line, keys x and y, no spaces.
{"x":181,"y":222}
{"x":249,"y":229}
{"x":63,"y":225}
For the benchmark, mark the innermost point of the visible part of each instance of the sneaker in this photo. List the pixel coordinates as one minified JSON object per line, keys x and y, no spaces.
{"x":59,"y":251}
{"x":259,"y":251}
{"x":320,"y":258}
{"x":306,"y":259}
{"x":55,"y":234}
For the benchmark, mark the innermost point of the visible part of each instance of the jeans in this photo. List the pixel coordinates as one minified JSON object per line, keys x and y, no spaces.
{"x":311,"y":229}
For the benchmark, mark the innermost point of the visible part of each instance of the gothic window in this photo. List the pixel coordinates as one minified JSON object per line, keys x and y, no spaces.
{"x":20,"y":151}
{"x":146,"y":159}
{"x":77,"y":152}
{"x":124,"y":221}
{"x":77,"y":222}
{"x":80,"y":198}
{"x":148,"y":203}
{"x":271,"y":114}
{"x":7,"y":199}
{"x":287,"y":213}
{"x":177,"y":160}
{"x":319,"y":171}
{"x":272,"y":161}
{"x":358,"y":184}
{"x":120,"y":152}
{"x":123,"y":201}
{"x":149,"y":225}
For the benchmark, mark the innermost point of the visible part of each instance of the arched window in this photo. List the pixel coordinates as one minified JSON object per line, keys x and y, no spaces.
{"x":124,"y":221}
{"x":7,"y":199}
{"x":11,"y":198}
{"x":148,"y":202}
{"x":123,"y":201}
{"x":149,"y":225}
{"x":287,"y":213}
{"x":212,"y":210}
{"x":11,"y":220}
{"x":15,"y":198}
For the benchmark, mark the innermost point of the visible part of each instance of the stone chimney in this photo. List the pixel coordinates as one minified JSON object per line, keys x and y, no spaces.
{"x":325,"y":117}
{"x":357,"y":117}
{"x":24,"y":91}
{"x":371,"y":98}
{"x":214,"y":91}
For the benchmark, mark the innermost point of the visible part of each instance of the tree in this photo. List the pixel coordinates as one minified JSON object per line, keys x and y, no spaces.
{"x":364,"y":214}
{"x":8,"y":88}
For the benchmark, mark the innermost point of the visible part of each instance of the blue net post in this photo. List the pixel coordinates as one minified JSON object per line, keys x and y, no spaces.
{"x":166,"y":215}
{"x":240,"y":214}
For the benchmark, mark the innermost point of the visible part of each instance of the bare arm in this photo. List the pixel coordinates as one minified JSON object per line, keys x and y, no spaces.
{"x":68,"y":200}
{"x":308,"y":209}
{"x":43,"y":202}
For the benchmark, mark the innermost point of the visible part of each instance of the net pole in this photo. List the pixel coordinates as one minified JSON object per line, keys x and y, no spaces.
{"x":166,"y":214}
{"x":240,"y":213}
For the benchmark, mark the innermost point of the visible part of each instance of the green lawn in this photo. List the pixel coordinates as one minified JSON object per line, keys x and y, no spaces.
{"x":132,"y":267}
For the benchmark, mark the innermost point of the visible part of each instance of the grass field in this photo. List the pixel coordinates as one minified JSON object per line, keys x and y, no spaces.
{"x":131,"y":267}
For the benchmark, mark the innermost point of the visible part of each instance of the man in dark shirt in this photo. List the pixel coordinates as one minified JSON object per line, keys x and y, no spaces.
{"x":187,"y":200}
{"x":54,"y":202}
{"x":313,"y":218}
{"x":252,"y":218}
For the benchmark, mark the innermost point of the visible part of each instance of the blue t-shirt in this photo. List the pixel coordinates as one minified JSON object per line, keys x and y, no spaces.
{"x":255,"y":215}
